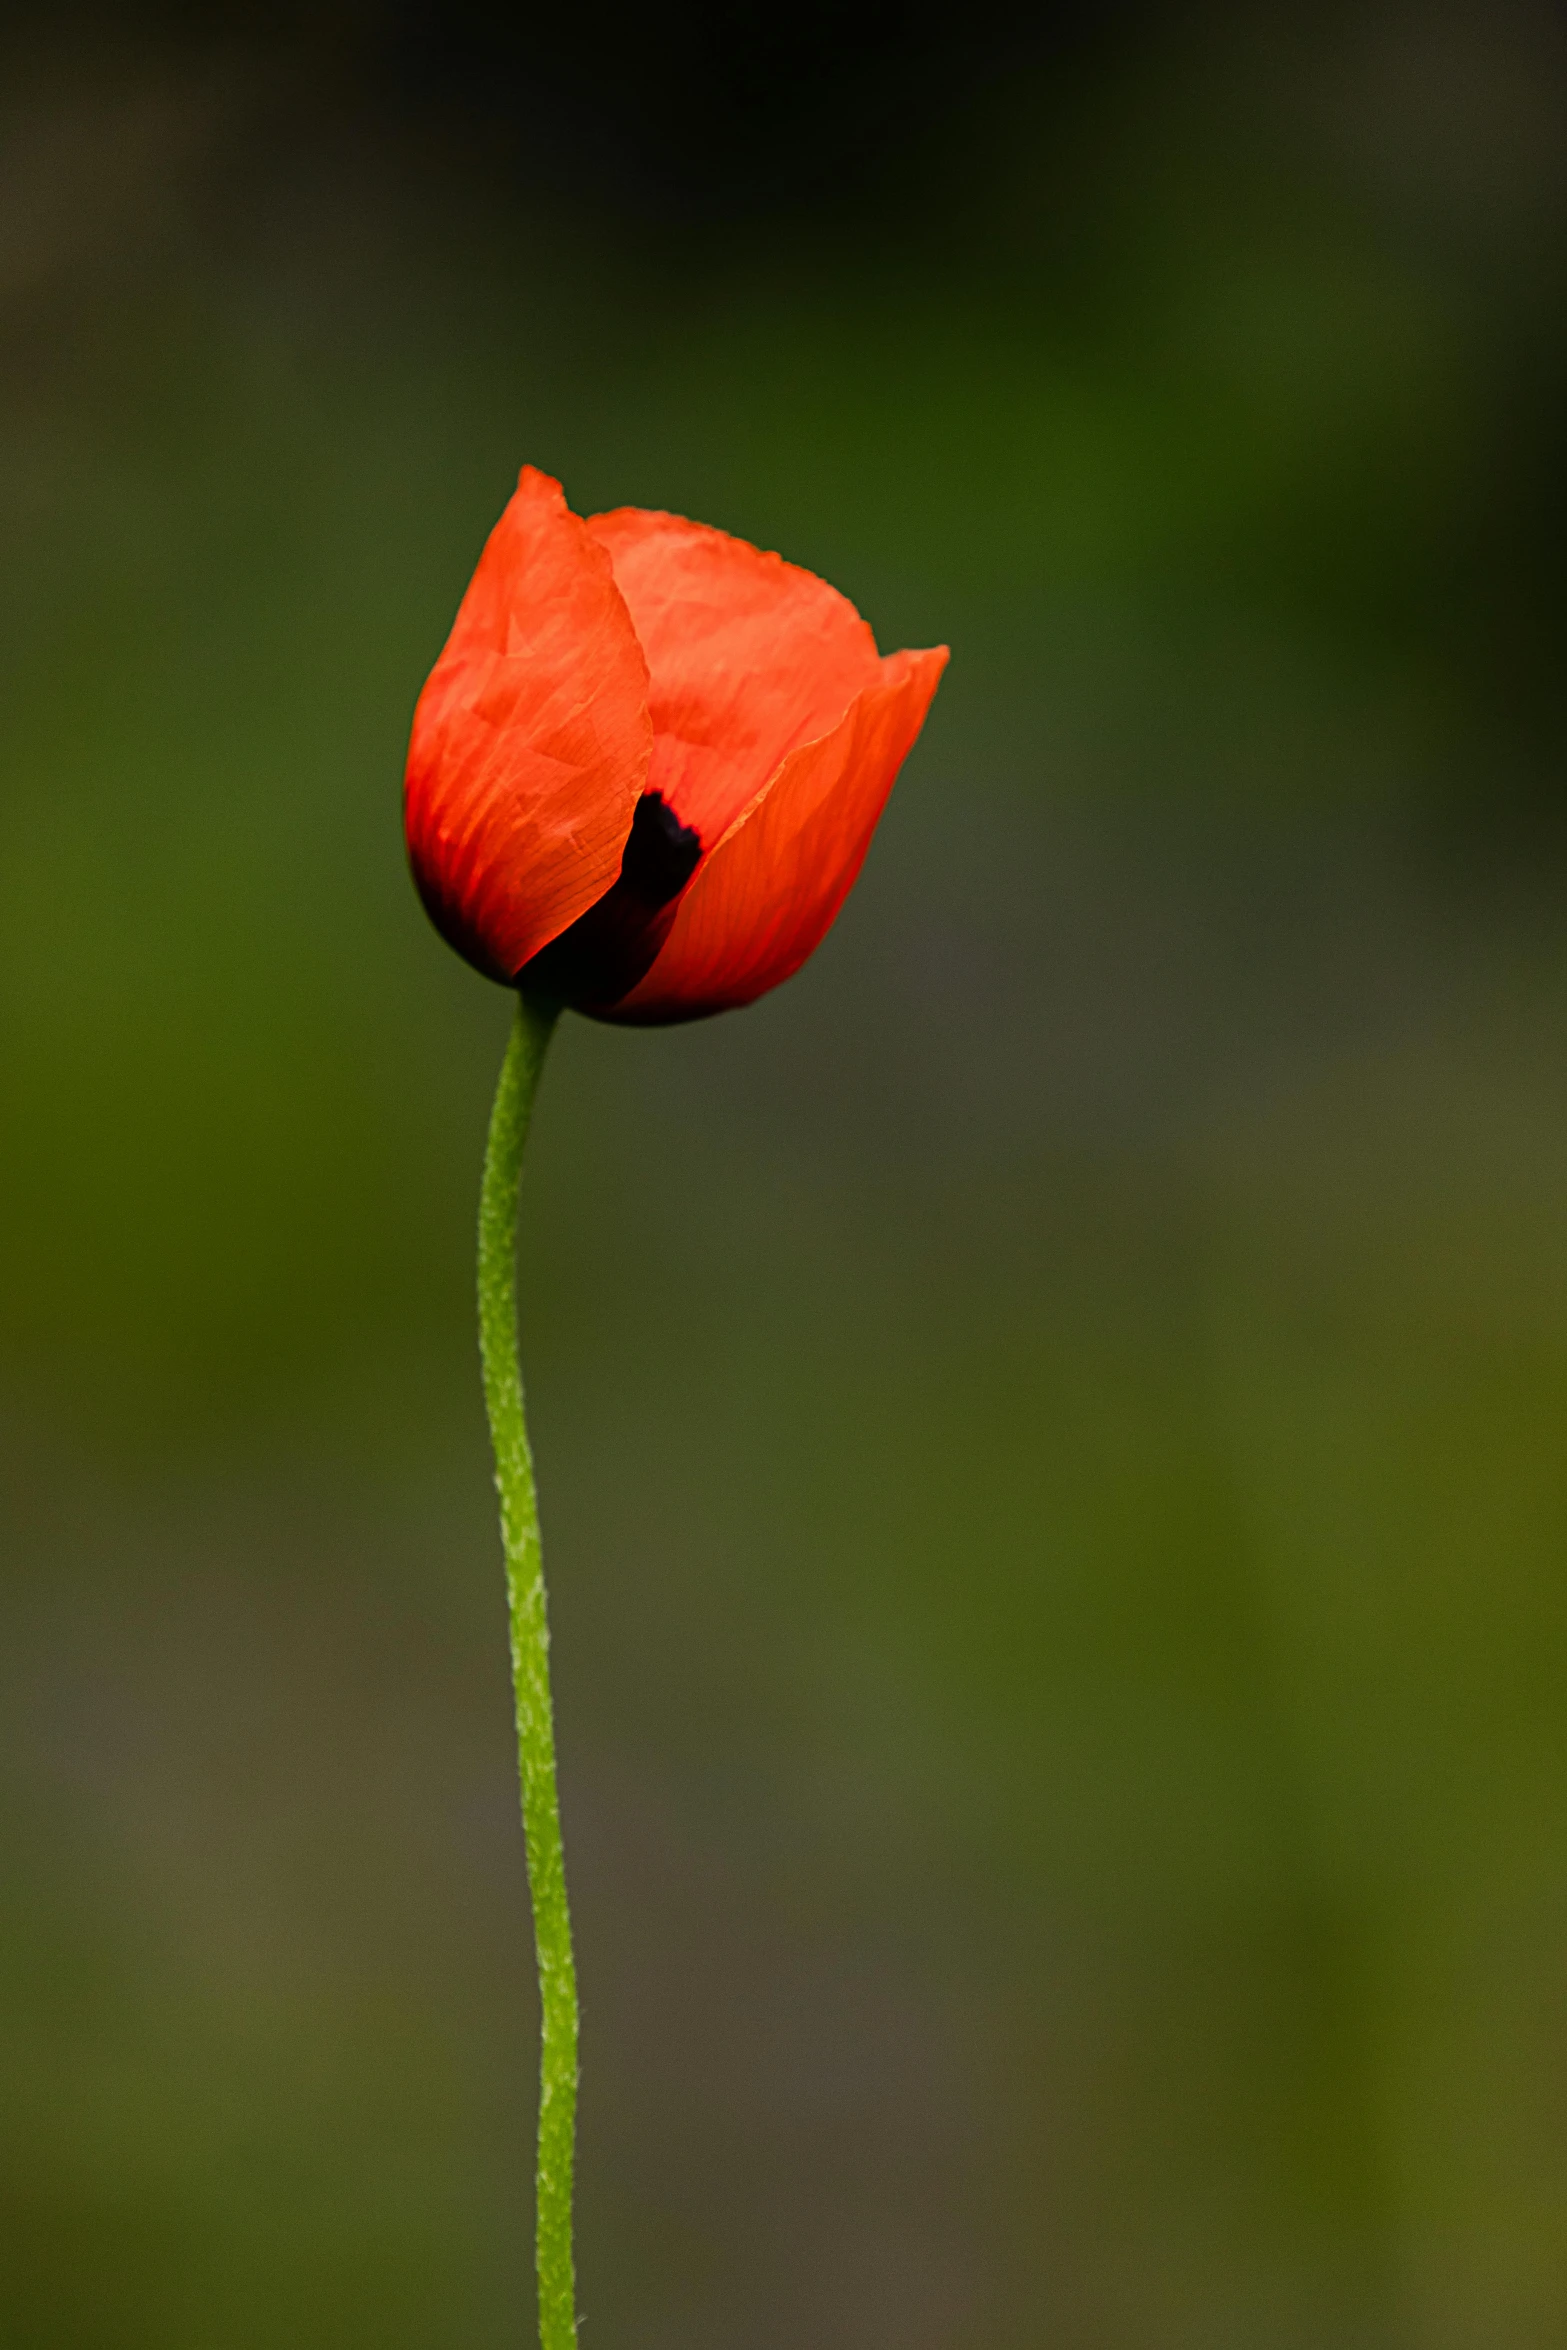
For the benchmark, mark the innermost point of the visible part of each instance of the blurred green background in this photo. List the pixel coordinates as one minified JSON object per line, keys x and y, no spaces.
{"x":1051,"y":1426}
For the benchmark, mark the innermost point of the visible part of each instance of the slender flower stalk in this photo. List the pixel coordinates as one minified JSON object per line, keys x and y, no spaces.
{"x":530,"y":1663}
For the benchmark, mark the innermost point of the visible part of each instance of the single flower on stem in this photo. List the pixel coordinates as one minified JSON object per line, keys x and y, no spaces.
{"x":643,"y":777}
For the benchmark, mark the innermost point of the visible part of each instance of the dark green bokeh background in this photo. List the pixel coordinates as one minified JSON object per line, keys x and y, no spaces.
{"x":1051,"y":1427}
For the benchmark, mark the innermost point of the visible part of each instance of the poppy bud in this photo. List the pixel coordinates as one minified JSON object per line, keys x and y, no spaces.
{"x":646,"y":768}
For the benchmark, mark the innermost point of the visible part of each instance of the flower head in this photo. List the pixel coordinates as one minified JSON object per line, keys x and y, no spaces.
{"x":646,"y":768}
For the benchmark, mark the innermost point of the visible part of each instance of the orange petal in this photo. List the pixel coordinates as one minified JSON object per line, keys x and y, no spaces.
{"x":531,"y":740}
{"x":770,"y":891}
{"x":749,"y":658}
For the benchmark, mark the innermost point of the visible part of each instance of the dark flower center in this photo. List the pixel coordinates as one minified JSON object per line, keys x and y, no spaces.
{"x":613,"y":945}
{"x":660,"y":855}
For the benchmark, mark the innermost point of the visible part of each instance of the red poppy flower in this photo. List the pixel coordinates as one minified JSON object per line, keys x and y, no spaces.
{"x":645,"y":771}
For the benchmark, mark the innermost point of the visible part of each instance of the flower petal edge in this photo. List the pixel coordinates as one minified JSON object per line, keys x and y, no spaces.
{"x":531,"y":740}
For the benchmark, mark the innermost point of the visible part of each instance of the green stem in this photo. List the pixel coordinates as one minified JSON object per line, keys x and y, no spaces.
{"x":530,"y":1664}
